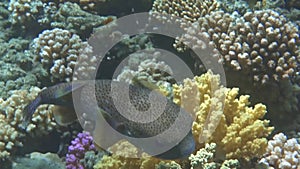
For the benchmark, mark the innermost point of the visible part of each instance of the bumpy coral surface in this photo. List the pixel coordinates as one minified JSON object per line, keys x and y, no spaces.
{"x":145,"y":67}
{"x":261,"y":44}
{"x":282,"y":153}
{"x":12,"y":112}
{"x":25,"y":11}
{"x":59,"y":51}
{"x":76,"y":151}
{"x":223,"y":118}
{"x":124,"y":158}
{"x":205,"y":159}
{"x":9,"y":138}
{"x":190,"y":10}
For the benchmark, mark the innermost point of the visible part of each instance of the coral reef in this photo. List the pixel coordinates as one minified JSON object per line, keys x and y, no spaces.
{"x":9,"y":138}
{"x":11,"y":118}
{"x":258,"y":44}
{"x":76,"y":151}
{"x":71,"y":17}
{"x":282,"y":153}
{"x":15,"y":70}
{"x":36,"y":15}
{"x":249,"y":44}
{"x":24,"y":12}
{"x":59,"y":51}
{"x":190,"y":10}
{"x":262,"y":45}
{"x":223,"y":118}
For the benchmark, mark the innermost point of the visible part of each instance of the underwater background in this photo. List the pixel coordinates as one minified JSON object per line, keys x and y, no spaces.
{"x":257,"y":111}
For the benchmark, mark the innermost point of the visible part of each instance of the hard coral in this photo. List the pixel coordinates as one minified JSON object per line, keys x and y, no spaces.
{"x":9,"y":138}
{"x":59,"y":51}
{"x":262,"y":44}
{"x":24,"y":11}
{"x":145,"y":66}
{"x":190,"y":10}
{"x":282,"y":153}
{"x":223,"y":118}
{"x":76,"y":151}
{"x":11,"y":117}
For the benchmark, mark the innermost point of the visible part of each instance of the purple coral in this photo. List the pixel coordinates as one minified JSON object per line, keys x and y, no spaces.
{"x":81,"y":144}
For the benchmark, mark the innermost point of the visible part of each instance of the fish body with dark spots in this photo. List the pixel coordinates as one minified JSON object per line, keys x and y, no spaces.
{"x":143,"y":116}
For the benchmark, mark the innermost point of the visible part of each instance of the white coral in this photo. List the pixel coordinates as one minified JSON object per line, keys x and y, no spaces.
{"x":60,"y":51}
{"x":282,"y":153}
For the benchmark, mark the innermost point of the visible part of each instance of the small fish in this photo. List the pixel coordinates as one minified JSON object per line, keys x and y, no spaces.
{"x":150,"y":120}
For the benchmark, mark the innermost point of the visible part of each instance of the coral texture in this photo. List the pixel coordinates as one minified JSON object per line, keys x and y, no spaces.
{"x":124,"y":157}
{"x":59,"y":51}
{"x":11,"y":117}
{"x":205,"y":159}
{"x":15,"y":70}
{"x":262,"y":44}
{"x":282,"y":153}
{"x":9,"y":138}
{"x":260,"y":53}
{"x":190,"y":10}
{"x":25,"y":11}
{"x":71,"y":17}
{"x":146,"y":67}
{"x":223,"y":118}
{"x":76,"y":151}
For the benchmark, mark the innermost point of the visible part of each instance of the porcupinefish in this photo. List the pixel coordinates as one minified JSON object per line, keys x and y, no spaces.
{"x":147,"y":123}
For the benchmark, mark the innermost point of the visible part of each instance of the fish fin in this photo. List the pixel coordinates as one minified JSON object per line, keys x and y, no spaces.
{"x":64,"y":115}
{"x":60,"y":91}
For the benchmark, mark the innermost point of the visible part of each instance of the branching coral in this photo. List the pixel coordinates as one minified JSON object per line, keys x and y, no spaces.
{"x":9,"y":138}
{"x":25,"y":11}
{"x":190,"y":10}
{"x":59,"y":50}
{"x":11,"y":116}
{"x":76,"y":151}
{"x":262,"y":44}
{"x":236,"y":128}
{"x":282,"y":153}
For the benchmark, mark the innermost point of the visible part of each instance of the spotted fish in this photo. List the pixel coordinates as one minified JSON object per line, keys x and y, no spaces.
{"x":134,"y":111}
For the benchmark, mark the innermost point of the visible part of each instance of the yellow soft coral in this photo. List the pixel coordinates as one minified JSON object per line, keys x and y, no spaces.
{"x":223,"y":118}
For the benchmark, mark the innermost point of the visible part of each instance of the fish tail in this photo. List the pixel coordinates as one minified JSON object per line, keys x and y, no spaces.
{"x":29,"y":110}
